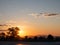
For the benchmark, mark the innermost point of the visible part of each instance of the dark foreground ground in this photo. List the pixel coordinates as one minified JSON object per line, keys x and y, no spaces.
{"x":28,"y":43}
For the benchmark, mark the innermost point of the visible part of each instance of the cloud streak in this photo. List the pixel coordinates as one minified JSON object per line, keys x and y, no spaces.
{"x":36,"y":15}
{"x":50,"y":14}
{"x":43,"y":14}
{"x":3,"y":25}
{"x":8,"y":23}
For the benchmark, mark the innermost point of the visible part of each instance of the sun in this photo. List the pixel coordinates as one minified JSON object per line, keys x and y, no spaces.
{"x":21,"y":32}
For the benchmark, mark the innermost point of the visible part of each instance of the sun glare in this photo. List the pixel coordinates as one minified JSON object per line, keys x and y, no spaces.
{"x":21,"y":32}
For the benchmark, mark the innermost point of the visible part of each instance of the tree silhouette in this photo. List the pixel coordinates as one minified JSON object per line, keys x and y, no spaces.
{"x":50,"y":37}
{"x":26,"y":38}
{"x":13,"y":32}
{"x":2,"y":36}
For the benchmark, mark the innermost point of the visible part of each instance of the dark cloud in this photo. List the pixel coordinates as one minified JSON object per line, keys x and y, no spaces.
{"x":52,"y":14}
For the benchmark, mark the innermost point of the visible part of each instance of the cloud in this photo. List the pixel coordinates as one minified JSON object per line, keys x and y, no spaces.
{"x":8,"y":23}
{"x":11,"y":23}
{"x":50,"y":14}
{"x":38,"y":15}
{"x":3,"y":25}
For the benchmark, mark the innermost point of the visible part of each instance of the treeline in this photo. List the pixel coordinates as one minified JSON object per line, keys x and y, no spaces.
{"x":12,"y":35}
{"x":48,"y":38}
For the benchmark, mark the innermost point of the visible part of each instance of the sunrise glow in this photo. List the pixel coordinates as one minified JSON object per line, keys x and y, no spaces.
{"x":21,"y":32}
{"x":32,"y":17}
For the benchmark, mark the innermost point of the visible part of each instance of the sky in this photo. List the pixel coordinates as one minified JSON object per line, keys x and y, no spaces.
{"x":34,"y":17}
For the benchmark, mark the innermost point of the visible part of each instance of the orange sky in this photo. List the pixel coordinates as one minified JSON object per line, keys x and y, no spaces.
{"x":34,"y":17}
